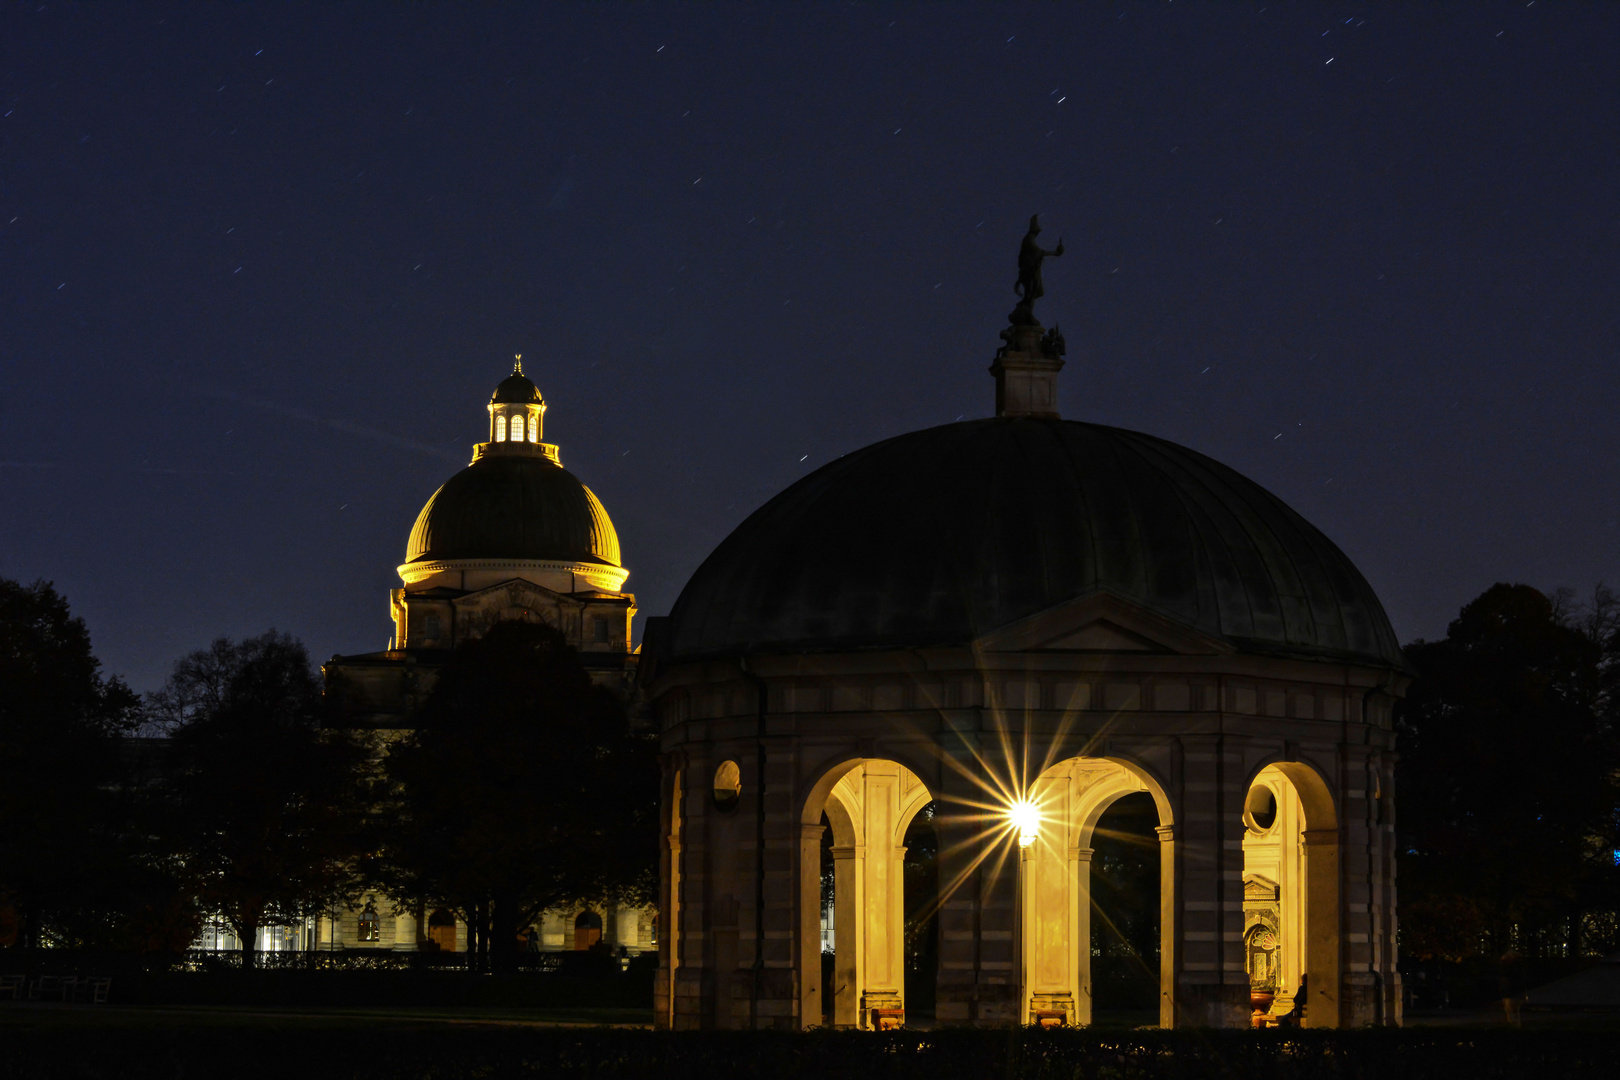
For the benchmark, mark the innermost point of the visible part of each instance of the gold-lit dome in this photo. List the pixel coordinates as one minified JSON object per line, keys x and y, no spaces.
{"x":511,"y":506}
{"x":515,"y":508}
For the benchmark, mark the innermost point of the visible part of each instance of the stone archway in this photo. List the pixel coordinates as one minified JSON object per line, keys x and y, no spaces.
{"x":1291,"y":888}
{"x":1055,"y":888}
{"x":869,"y":804}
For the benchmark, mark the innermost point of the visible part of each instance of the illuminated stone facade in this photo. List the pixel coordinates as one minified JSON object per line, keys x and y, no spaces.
{"x":1025,"y":610}
{"x":514,"y":536}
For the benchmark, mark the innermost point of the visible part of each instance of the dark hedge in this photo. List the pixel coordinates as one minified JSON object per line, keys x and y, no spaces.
{"x":453,"y":1052}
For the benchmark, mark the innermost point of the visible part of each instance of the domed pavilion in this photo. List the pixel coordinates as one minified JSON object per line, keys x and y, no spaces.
{"x":1013,"y":623}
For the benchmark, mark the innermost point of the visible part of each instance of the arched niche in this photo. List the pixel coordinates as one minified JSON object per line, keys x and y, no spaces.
{"x":869,"y":804}
{"x":1055,"y":887}
{"x":1291,"y":882}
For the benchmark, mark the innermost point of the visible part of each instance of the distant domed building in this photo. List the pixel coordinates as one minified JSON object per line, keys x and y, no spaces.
{"x":514,"y":535}
{"x":1010,"y":624}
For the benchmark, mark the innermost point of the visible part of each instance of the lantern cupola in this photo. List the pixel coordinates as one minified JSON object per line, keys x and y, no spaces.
{"x":517,"y":412}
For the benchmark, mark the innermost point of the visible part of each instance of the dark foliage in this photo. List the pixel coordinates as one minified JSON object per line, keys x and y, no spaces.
{"x":63,"y":854}
{"x":1507,"y":781}
{"x":522,"y":788}
{"x":263,"y":808}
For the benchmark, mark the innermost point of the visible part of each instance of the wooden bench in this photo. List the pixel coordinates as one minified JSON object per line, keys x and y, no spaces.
{"x":92,"y":990}
{"x":888,"y":1019}
{"x":51,"y":987}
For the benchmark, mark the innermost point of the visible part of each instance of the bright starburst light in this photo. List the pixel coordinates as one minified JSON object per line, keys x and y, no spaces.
{"x":1025,"y":816}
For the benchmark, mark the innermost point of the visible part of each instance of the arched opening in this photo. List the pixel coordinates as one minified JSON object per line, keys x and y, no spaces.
{"x":1055,"y":886}
{"x":1125,"y":913}
{"x":534,"y":427}
{"x":727,"y":786}
{"x":1291,"y":898}
{"x":921,"y":873}
{"x":867,"y":807}
{"x":500,"y":429}
{"x":441,"y":930}
{"x":827,"y":897}
{"x":587,"y":930}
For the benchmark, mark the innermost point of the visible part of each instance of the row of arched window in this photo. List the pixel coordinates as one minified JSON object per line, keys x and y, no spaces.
{"x":517,"y":434}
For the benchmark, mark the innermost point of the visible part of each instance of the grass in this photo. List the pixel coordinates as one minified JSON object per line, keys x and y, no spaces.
{"x":147,"y":1017}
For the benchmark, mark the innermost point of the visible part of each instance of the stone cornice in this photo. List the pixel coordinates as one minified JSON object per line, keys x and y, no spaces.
{"x":599,"y":575}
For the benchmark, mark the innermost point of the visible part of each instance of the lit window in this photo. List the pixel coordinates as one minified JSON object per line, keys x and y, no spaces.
{"x":370,"y":927}
{"x":500,"y":429}
{"x":727,"y":785}
{"x":534,"y":427}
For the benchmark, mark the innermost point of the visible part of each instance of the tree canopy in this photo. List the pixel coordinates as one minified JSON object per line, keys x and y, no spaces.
{"x":268,"y":807}
{"x":60,"y":765}
{"x":522,"y":787}
{"x":1507,"y":778}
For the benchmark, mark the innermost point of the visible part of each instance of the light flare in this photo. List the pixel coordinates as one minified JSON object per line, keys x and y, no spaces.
{"x":1025,"y":816}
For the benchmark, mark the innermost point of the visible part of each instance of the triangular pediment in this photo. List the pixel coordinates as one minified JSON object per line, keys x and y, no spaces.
{"x":1103,"y":623}
{"x":1104,"y":636}
{"x":1258,"y":888}
{"x":516,"y":593}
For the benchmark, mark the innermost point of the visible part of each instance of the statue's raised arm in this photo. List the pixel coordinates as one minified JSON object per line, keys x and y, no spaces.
{"x":1029,"y":286}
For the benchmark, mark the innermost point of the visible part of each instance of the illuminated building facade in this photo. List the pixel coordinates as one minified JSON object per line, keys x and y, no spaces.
{"x":513,"y":536}
{"x":1018,"y":621}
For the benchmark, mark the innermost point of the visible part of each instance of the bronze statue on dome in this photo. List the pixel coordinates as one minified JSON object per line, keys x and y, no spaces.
{"x":1029,"y":286}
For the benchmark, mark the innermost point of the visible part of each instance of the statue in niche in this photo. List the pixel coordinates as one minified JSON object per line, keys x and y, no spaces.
{"x":1029,"y":285}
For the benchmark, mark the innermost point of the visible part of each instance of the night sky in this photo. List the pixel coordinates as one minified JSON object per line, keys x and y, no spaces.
{"x":261,"y":266}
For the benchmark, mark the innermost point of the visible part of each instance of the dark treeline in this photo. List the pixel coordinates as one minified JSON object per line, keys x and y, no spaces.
{"x":522,"y":786}
{"x":1508,"y":784}
{"x":236,"y":793}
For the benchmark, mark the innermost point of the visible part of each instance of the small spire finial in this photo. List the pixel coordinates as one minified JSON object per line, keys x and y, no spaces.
{"x":517,"y":364}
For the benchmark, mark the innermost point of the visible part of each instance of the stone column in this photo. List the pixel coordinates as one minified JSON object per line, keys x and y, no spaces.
{"x":1080,"y":873}
{"x":404,"y":929}
{"x":883,"y":946}
{"x":1169,"y":909}
{"x":669,"y":914}
{"x":999,"y":975}
{"x":776,"y":980}
{"x":627,"y":926}
{"x":807,"y":947}
{"x":1323,"y":925}
{"x":692,"y":973}
{"x":1366,"y":900}
{"x":956,"y":1000}
{"x":1054,"y":909}
{"x":849,"y":931}
{"x":1212,"y":985}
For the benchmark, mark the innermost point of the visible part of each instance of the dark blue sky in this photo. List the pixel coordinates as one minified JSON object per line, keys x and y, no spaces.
{"x":261,"y":265}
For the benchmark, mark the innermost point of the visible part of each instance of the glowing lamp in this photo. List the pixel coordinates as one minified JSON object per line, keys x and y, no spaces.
{"x":1026,"y":818}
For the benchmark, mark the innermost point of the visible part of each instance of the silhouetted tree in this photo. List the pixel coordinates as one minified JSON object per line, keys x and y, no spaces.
{"x":268,"y":808}
{"x":1506,"y":780}
{"x":523,"y":787}
{"x":60,"y":768}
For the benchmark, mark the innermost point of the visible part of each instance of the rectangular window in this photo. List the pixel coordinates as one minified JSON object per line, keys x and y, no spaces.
{"x":430,"y":627}
{"x":601,"y":629}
